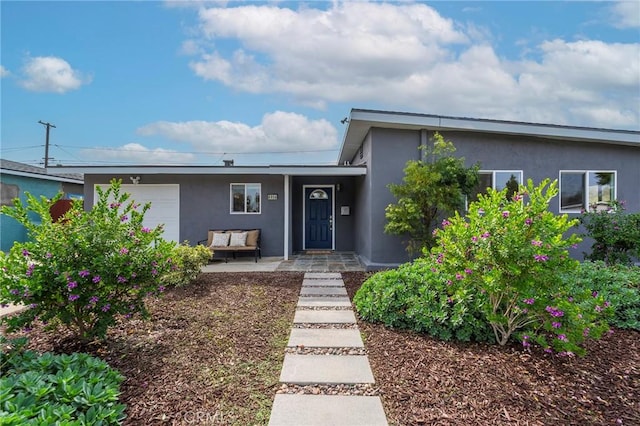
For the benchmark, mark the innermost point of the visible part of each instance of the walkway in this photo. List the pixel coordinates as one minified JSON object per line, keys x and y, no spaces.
{"x":326,"y":378}
{"x":316,"y":262}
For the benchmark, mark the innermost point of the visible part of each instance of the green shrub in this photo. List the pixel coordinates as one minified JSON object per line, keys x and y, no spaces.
{"x":416,"y":296}
{"x":49,"y":389}
{"x":618,"y":284}
{"x":86,"y":269}
{"x":616,"y":234}
{"x":511,"y":253}
{"x":187,"y":264}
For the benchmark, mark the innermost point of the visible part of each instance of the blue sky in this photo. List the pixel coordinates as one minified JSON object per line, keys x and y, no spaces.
{"x":268,"y":83}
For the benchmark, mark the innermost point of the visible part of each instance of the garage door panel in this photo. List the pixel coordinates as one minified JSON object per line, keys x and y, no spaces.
{"x":165,"y":206}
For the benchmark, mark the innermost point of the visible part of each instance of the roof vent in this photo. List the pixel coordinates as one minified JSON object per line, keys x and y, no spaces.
{"x":228,"y":163}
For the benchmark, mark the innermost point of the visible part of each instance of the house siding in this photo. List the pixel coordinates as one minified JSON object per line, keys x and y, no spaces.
{"x":205,"y":204}
{"x":538,"y":158}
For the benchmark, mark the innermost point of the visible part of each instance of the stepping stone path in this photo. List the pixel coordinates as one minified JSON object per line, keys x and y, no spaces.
{"x":326,"y":366}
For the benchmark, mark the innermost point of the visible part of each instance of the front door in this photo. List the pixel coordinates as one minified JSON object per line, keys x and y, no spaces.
{"x":318,"y":221}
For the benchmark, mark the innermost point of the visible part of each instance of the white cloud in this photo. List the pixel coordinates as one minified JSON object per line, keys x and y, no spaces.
{"x":135,"y":153}
{"x":4,"y":72}
{"x":626,"y":14}
{"x":51,"y":74}
{"x":278,"y":132}
{"x":406,"y":56}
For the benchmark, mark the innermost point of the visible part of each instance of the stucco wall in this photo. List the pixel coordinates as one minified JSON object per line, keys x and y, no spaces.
{"x":204,"y":205}
{"x":538,"y":158}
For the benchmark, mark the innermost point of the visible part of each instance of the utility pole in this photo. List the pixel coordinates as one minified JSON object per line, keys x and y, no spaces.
{"x":46,"y":145}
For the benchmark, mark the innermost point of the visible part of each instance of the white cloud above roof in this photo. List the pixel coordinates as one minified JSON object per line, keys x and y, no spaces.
{"x":407,"y":56}
{"x":135,"y":153}
{"x":4,"y":72}
{"x":51,"y":74}
{"x":278,"y":131}
{"x":626,"y":14}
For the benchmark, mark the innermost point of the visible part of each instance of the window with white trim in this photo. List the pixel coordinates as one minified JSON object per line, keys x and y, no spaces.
{"x":498,"y":180}
{"x":8,"y":193}
{"x":586,"y":189}
{"x":245,"y":198}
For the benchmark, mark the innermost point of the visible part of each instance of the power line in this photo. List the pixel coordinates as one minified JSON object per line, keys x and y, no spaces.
{"x":200,"y":152}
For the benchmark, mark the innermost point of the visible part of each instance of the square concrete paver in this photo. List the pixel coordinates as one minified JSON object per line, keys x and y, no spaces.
{"x":325,"y":338}
{"x":323,"y":410}
{"x":324,"y":316}
{"x":322,"y":275}
{"x":320,"y":301}
{"x":315,"y":369}
{"x":322,"y":283}
{"x":323,"y":291}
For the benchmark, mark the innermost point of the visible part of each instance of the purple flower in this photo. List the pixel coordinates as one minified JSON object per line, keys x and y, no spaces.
{"x":93,"y":300}
{"x":528,"y":221}
{"x":124,"y":250}
{"x":574,"y":246}
{"x":541,"y":257}
{"x":548,"y":350}
{"x":33,"y":306}
{"x":536,"y":243}
{"x":106,"y":307}
{"x":517,"y":197}
{"x":554,"y":312}
{"x":459,"y":276}
{"x":468,"y":271}
{"x":124,"y":218}
{"x":485,"y":235}
{"x":133,"y":275}
{"x":607,"y":304}
{"x":25,"y":252}
{"x":598,"y":308}
{"x":84,"y":273}
{"x":161,"y":288}
{"x":73,"y":297}
{"x":14,"y":291}
{"x":594,"y":294}
{"x":585,"y":332}
{"x":505,"y":214}
{"x":570,"y":299}
{"x":72,"y":284}
{"x":30,"y":269}
{"x":121,"y":279}
{"x":48,"y":255}
{"x":145,"y":230}
{"x":96,"y":279}
{"x":562,"y":337}
{"x":449,"y":282}
{"x":556,"y":324}
{"x":525,"y":341}
{"x":445,"y":223}
{"x":154,"y":272}
{"x":449,"y":300}
{"x":474,"y":239}
{"x":529,"y":301}
{"x":114,"y":205}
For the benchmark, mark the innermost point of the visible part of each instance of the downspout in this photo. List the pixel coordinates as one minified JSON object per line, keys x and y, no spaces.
{"x":286,"y":217}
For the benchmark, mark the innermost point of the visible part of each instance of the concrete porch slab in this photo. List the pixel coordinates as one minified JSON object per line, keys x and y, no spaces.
{"x":322,"y":283}
{"x":324,"y":316}
{"x":319,"y":301}
{"x":323,"y":291}
{"x":322,"y":410}
{"x":316,"y":369}
{"x":325,"y":338}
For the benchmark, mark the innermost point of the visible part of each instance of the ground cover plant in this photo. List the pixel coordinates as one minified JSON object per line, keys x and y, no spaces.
{"x":210,"y":352}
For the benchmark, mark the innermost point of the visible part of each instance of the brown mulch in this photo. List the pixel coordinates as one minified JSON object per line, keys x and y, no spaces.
{"x":212,"y":353}
{"x":430,"y":382}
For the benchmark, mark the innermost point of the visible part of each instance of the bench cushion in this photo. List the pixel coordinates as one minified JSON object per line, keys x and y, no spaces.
{"x":238,"y":239}
{"x":252,"y":237}
{"x":220,"y":239}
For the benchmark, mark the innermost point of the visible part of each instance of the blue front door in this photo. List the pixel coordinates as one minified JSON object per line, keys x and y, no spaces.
{"x":318,"y":221}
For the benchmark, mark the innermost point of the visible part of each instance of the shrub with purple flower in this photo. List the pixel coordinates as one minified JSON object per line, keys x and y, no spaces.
{"x":89,"y":257}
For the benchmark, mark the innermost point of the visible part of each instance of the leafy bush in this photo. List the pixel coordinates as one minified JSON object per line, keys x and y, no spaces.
{"x":48,"y":389}
{"x":86,"y":269}
{"x":618,"y":284}
{"x":498,"y":269}
{"x":431,"y":187}
{"x":511,"y":252}
{"x":416,"y":296}
{"x":187,"y":264}
{"x":616,"y":234}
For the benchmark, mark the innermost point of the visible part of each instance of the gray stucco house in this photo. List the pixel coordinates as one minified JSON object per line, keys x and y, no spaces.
{"x":342,"y":207}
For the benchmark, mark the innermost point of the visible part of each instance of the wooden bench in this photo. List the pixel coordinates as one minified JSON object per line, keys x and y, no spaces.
{"x":227,"y":242}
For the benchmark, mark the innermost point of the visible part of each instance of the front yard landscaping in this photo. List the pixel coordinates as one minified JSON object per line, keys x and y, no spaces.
{"x":212,"y":353}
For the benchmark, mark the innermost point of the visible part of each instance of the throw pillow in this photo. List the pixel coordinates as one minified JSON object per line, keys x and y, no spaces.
{"x":238,"y":239}
{"x":220,"y":240}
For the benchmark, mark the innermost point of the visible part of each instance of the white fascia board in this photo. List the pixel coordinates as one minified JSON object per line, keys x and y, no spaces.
{"x":233,"y":170}
{"x":41,"y":176}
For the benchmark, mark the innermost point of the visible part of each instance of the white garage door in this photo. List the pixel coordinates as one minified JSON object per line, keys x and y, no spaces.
{"x":165,"y":206}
